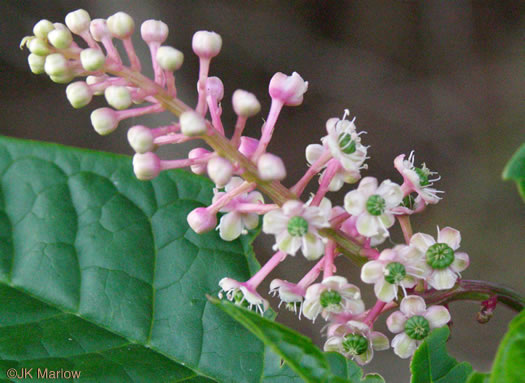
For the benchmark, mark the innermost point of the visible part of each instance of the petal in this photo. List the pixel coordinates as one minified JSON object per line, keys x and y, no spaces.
{"x":292,"y":208}
{"x":365,"y":357}
{"x":333,"y":344}
{"x":387,"y":219}
{"x":437,"y":316}
{"x":350,"y":291}
{"x":250,"y":220}
{"x":379,"y":341}
{"x":412,"y":305}
{"x":356,"y":326}
{"x":442,"y":279}
{"x":372,"y":271}
{"x":312,"y":247}
{"x":311,"y":309}
{"x":229,"y":284}
{"x":391,"y":192}
{"x":336,"y":183}
{"x":396,"y":322}
{"x":385,"y":291}
{"x":354,"y":306}
{"x":422,"y":241}
{"x":234,"y":182}
{"x":408,"y":282}
{"x":461,"y":262}
{"x":285,"y":242}
{"x":355,"y":202}
{"x":367,"y":186}
{"x":335,"y":282}
{"x":313,"y":152}
{"x":403,"y":346}
{"x":230,"y":226}
{"x":275,"y":222}
{"x":255,"y":197}
{"x":368,"y":225}
{"x":450,"y":236}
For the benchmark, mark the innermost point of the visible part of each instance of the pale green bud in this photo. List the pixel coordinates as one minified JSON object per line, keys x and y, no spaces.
{"x":36,"y":63}
{"x":60,"y":38}
{"x":118,"y":97}
{"x":42,"y":28}
{"x":92,"y":59}
{"x":169,"y":58}
{"x":79,"y":94}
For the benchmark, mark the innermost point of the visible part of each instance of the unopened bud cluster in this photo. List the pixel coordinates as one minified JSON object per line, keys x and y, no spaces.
{"x":399,"y":274}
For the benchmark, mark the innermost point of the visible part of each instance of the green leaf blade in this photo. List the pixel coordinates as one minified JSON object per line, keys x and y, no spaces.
{"x":515,"y":170}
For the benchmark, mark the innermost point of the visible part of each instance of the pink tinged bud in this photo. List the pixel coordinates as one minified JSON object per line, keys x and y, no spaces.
{"x":201,"y":220}
{"x":169,"y":58}
{"x":118,"y":97}
{"x":141,"y":139}
{"x":206,"y":44}
{"x":192,"y":123}
{"x":104,"y":120}
{"x":288,"y":89}
{"x":198,"y":153}
{"x":220,"y":170}
{"x":146,"y":166}
{"x":154,"y":31}
{"x":78,"y":21}
{"x":270,"y":167}
{"x":42,"y":28}
{"x":60,"y":38}
{"x":121,"y":25}
{"x":245,"y":104}
{"x":248,"y":146}
{"x":38,"y":46}
{"x":79,"y":94}
{"x":92,"y":59}
{"x":215,"y":88}
{"x":36,"y":63}
{"x":99,"y":30}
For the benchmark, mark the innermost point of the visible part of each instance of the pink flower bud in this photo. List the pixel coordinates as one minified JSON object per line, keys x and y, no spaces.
{"x":99,"y":29}
{"x":220,"y":170}
{"x":146,"y":166}
{"x":248,"y":146}
{"x":245,"y":104}
{"x":270,"y":167}
{"x":197,"y":153}
{"x":154,"y":31}
{"x":215,"y":88}
{"x":288,"y":89}
{"x":140,"y":138}
{"x":104,"y":120}
{"x":206,"y":44}
{"x":201,"y":220}
{"x":78,"y":21}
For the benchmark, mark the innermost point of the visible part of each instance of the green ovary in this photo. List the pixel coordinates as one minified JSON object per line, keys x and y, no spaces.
{"x":297,"y":226}
{"x":355,"y":344}
{"x":395,"y":272}
{"x":330,"y":298}
{"x":440,"y":256}
{"x":417,"y":327}
{"x":346,"y":144}
{"x":375,"y":205}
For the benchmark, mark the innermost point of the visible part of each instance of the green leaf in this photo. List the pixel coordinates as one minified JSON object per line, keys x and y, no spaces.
{"x":299,"y":353}
{"x":509,"y":364}
{"x":515,"y":170}
{"x":478,"y":377}
{"x":100,"y":273}
{"x":432,"y":364}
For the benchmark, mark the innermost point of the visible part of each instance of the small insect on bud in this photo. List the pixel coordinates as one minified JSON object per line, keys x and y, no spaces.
{"x":36,"y":63}
{"x":141,"y":139}
{"x":270,"y":167}
{"x":197,"y":153}
{"x":92,"y":59}
{"x":118,"y":97}
{"x":220,"y":170}
{"x":38,"y":46}
{"x":99,"y":29}
{"x":169,"y":58}
{"x":79,"y":94}
{"x":104,"y":120}
{"x":154,"y":31}
{"x":245,"y":104}
{"x":146,"y":166}
{"x":60,"y":38}
{"x":206,"y":44}
{"x":288,"y":89}
{"x":215,"y":88}
{"x":78,"y":21}
{"x":192,"y":123}
{"x":201,"y":220}
{"x":121,"y":25}
{"x":42,"y":28}
{"x":56,"y":65}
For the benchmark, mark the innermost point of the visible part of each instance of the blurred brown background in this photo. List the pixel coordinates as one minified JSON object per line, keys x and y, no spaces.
{"x":443,"y":78}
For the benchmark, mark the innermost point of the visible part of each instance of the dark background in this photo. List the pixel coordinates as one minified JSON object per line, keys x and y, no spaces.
{"x":443,"y":78}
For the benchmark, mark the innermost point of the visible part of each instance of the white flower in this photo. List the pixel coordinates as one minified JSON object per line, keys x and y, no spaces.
{"x":344,"y":143}
{"x":355,"y":340}
{"x":242,"y":294}
{"x":349,"y":227}
{"x":234,"y":223}
{"x":373,"y":206}
{"x":442,"y":261}
{"x":333,"y":295}
{"x":400,"y":266}
{"x":295,"y":226}
{"x":413,"y":323}
{"x":417,"y":179}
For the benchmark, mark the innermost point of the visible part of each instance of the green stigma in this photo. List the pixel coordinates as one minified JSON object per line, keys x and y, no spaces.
{"x":346,"y":144}
{"x":375,"y":205}
{"x":297,"y":226}
{"x":409,"y":202}
{"x":355,"y":344}
{"x":417,"y":327}
{"x":440,"y":256}
{"x":395,"y":272}
{"x":330,"y":298}
{"x":238,"y":299}
{"x":423,"y":176}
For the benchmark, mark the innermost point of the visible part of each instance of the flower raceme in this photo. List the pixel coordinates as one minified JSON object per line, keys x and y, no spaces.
{"x":243,"y":172}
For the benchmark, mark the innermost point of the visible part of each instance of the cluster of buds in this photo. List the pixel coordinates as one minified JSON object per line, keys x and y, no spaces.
{"x":239,"y":165}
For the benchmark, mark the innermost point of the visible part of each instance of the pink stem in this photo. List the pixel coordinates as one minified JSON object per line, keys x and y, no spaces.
{"x":329,"y":255}
{"x":239,"y":128}
{"x":316,"y":167}
{"x":130,"y":51}
{"x":312,"y":275}
{"x":175,"y":164}
{"x":339,"y":219}
{"x":226,"y":198}
{"x":157,"y":70}
{"x":172,"y":138}
{"x":374,"y":312}
{"x":215,"y":114}
{"x":330,"y":172}
{"x":204,"y":68}
{"x":170,"y":82}
{"x":369,"y":253}
{"x":86,"y":36}
{"x":102,"y":85}
{"x":128,"y":113}
{"x":258,"y":208}
{"x":268,"y":127}
{"x":112,"y":51}
{"x":263,"y":272}
{"x":406,"y":227}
